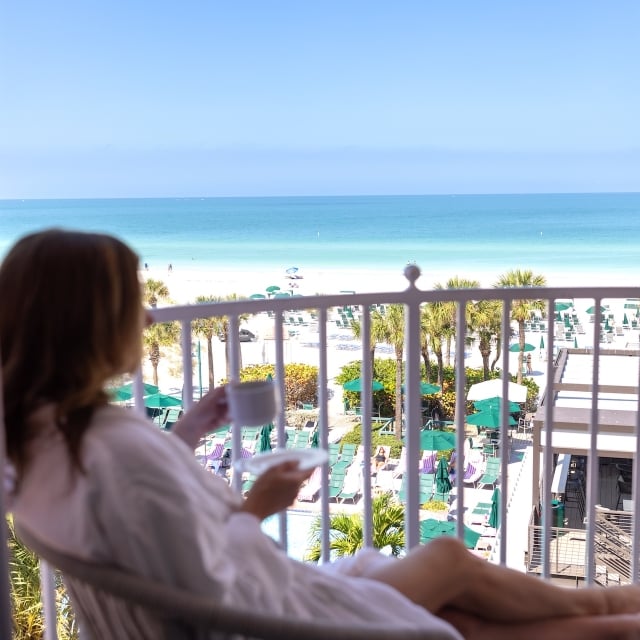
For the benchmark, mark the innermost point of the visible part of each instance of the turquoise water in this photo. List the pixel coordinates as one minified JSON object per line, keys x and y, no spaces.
{"x":298,"y":528}
{"x":541,"y":232}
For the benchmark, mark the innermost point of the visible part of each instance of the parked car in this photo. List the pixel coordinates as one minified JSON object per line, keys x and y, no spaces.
{"x":244,"y":335}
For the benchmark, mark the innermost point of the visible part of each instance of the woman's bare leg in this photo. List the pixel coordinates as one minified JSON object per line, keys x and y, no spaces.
{"x":618,"y":627}
{"x":444,"y":574}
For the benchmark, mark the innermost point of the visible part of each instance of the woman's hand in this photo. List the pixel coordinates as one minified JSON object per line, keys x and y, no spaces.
{"x":209,"y":414}
{"x":275,"y":489}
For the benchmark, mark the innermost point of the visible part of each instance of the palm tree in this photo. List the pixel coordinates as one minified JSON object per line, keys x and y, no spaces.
{"x":347,"y":533}
{"x":392,"y":329}
{"x":485,"y":320}
{"x":450,"y":330}
{"x":377,"y":332}
{"x":208,"y":328}
{"x":26,"y":595}
{"x":224,"y":331}
{"x":435,"y":323}
{"x":163,"y":334}
{"x":521,"y":309}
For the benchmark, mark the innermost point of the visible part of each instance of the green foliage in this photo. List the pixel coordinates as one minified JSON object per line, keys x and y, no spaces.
{"x":26,"y":595}
{"x":355,"y":437}
{"x":300,"y":381}
{"x":435,"y":505}
{"x":347,"y":533}
{"x":384,"y":372}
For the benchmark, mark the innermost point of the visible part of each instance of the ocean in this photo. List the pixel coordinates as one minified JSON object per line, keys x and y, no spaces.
{"x":461,"y":234}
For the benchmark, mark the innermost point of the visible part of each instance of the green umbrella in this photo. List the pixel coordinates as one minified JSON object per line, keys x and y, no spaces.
{"x":435,"y":440}
{"x":426,"y":388}
{"x":431,"y":529}
{"x":257,"y":296}
{"x":515,"y":348}
{"x":625,"y":320}
{"x":272,"y":288}
{"x":562,"y":306}
{"x":443,"y":483}
{"x":161,"y":400}
{"x":356,"y":385}
{"x":489,"y":418}
{"x":264,"y":441}
{"x":541,"y":342}
{"x":281,"y":294}
{"x":315,"y":439}
{"x":494,"y":403}
{"x":592,"y":310}
{"x":494,"y":514}
{"x":125,"y":392}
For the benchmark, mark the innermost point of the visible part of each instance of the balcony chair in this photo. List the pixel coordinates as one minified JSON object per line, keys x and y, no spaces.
{"x":112,"y":603}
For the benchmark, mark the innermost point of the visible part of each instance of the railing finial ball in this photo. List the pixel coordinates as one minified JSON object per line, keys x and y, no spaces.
{"x":412,"y":273}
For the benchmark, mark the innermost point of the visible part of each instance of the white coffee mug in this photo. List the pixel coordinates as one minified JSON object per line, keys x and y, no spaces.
{"x":253,"y":403}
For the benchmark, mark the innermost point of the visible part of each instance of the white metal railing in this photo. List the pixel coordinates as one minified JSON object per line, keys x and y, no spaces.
{"x":413,"y":299}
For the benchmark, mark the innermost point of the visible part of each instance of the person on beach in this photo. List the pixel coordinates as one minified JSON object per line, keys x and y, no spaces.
{"x":101,"y":482}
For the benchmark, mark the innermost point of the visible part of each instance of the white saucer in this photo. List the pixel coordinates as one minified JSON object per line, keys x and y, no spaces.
{"x":307,"y":459}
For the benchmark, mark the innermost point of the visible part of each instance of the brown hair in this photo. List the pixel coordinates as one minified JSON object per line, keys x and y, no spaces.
{"x":70,"y":319}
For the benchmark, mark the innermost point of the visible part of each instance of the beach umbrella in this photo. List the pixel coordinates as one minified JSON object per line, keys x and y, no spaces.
{"x":125,"y":391}
{"x":435,"y":440}
{"x":257,"y":296}
{"x":443,"y":483}
{"x":272,"y":288}
{"x":562,"y":306}
{"x":495,"y":403}
{"x":356,"y":385}
{"x":515,"y":348}
{"x":592,"y":310}
{"x":161,"y":400}
{"x":494,"y":514}
{"x":541,"y":342}
{"x":291,"y":270}
{"x":281,"y":294}
{"x":489,"y":418}
{"x":575,"y":342}
{"x":625,"y":320}
{"x":432,"y":528}
{"x":315,"y":439}
{"x":264,"y":440}
{"x":492,"y":388}
{"x":426,"y":388}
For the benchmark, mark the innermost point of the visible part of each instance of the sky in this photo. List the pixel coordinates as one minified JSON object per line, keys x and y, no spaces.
{"x":132,"y":98}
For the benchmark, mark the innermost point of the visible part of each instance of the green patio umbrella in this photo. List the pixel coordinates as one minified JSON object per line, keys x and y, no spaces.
{"x":495,"y":403}
{"x":431,"y":529}
{"x":435,"y":440}
{"x":161,"y":401}
{"x":515,"y":348}
{"x":125,"y":391}
{"x":489,"y":418}
{"x":315,"y":439}
{"x":264,"y":441}
{"x":541,"y":342}
{"x":426,"y":388}
{"x":575,"y":342}
{"x":356,"y":385}
{"x":257,"y":296}
{"x":625,"y":320}
{"x":443,"y":483}
{"x":562,"y":306}
{"x":494,"y":514}
{"x":592,"y":310}
{"x":272,"y":288}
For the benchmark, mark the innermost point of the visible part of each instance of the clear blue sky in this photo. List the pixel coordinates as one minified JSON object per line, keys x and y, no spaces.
{"x":124,"y":98}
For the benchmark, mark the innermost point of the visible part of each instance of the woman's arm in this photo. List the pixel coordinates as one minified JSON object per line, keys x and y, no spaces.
{"x":209,"y":414}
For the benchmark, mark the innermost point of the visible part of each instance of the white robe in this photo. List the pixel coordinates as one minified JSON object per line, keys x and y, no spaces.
{"x":145,"y":504}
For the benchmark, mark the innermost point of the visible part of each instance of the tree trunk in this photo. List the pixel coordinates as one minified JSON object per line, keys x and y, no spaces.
{"x":154,"y":358}
{"x":399,"y":396}
{"x":448,"y":354}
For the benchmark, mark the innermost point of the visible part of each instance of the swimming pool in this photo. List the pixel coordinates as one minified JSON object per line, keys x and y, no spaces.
{"x":298,"y":527}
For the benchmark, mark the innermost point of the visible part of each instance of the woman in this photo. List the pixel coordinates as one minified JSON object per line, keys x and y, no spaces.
{"x":103,"y":483}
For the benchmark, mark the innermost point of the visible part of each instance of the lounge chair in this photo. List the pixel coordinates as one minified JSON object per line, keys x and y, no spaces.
{"x":113,"y":603}
{"x":491,"y":473}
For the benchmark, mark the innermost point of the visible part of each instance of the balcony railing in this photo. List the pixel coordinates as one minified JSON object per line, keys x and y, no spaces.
{"x":592,"y":394}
